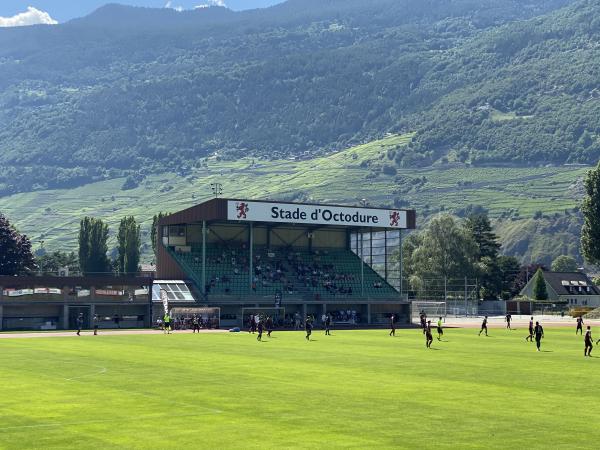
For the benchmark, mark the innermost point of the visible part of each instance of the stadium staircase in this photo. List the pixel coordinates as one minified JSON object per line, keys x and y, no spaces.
{"x":227,"y":273}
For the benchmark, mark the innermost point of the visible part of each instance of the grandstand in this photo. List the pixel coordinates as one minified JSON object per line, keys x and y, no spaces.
{"x":309,"y":259}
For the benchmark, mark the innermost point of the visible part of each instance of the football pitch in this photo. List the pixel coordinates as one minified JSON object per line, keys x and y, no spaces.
{"x":355,"y":389}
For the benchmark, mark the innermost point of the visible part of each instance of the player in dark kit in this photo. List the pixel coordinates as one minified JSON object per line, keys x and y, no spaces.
{"x":423,"y":318}
{"x":195,"y":324}
{"x":428,"y":335}
{"x":539,"y":334}
{"x":95,"y":321}
{"x":327,"y":325}
{"x":508,"y":319}
{"x":260,"y":328}
{"x":269,"y":325}
{"x":580,"y":325}
{"x":79,"y":323}
{"x":392,"y":325}
{"x":308,"y":327}
{"x":530,"y":337}
{"x":589,"y":342}
{"x":484,"y":326}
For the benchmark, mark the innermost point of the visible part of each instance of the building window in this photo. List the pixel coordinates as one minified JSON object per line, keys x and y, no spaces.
{"x":177,"y":231}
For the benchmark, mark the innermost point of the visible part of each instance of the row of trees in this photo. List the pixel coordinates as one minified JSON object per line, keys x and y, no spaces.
{"x":93,"y":247}
{"x":450,"y":250}
{"x":16,"y":255}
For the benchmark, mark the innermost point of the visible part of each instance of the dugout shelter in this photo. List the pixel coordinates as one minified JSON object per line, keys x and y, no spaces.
{"x":301,"y":258}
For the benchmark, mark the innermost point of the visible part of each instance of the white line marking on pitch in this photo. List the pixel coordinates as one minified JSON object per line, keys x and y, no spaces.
{"x":100,"y":372}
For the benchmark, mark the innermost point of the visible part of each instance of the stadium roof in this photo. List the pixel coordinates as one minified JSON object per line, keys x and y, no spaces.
{"x":236,"y":210}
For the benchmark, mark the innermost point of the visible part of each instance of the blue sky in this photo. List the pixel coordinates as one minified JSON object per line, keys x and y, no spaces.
{"x":64,"y":10}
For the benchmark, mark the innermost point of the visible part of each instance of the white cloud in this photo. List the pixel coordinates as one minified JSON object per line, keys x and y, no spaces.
{"x":212,"y":3}
{"x":32,"y":16}
{"x":169,"y":5}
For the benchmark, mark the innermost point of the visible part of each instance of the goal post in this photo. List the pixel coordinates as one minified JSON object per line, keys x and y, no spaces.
{"x":431,"y":309}
{"x":210,"y":316}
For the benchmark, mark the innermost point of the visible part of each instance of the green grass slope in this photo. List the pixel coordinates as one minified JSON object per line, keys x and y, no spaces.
{"x":343,"y":177}
{"x":355,"y":389}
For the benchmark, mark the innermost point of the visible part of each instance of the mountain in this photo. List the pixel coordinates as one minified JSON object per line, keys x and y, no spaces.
{"x":525,"y":92}
{"x":132,"y":91}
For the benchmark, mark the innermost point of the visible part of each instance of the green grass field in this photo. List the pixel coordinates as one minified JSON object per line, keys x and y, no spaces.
{"x":355,"y":389}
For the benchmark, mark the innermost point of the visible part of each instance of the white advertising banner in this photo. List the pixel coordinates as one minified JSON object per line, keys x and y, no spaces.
{"x":315,"y":214}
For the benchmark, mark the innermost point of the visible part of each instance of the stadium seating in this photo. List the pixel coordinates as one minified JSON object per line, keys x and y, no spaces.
{"x":320,"y":274}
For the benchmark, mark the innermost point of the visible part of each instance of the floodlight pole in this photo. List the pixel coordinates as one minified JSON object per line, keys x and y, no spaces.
{"x":217,"y":189}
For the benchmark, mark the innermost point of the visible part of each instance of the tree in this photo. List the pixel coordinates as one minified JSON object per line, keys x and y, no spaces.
{"x":590,"y":231}
{"x":510,"y":268}
{"x":539,"y":286}
{"x":488,"y":271}
{"x":564,"y":263}
{"x":443,"y":250}
{"x":15,"y":250}
{"x":479,"y":226}
{"x":129,"y":239}
{"x":524,"y":275}
{"x":93,"y":247}
{"x":154,"y":230}
{"x":53,"y":262}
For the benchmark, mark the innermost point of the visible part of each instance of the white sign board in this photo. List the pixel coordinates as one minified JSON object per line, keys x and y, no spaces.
{"x":315,"y":214}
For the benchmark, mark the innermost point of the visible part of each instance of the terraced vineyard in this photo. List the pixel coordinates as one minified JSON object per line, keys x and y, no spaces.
{"x":510,"y":194}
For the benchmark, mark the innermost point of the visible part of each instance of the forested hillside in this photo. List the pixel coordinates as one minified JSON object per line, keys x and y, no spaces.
{"x":526,"y":93}
{"x":129,"y":91}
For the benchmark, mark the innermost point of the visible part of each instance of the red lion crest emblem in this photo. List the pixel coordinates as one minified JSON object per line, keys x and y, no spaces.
{"x":242,"y":209}
{"x":394,"y":218}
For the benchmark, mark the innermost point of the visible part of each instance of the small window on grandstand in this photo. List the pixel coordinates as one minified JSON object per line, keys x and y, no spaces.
{"x":177,"y":231}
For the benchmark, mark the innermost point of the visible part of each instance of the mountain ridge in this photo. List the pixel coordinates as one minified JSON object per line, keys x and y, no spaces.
{"x":79,"y":103}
